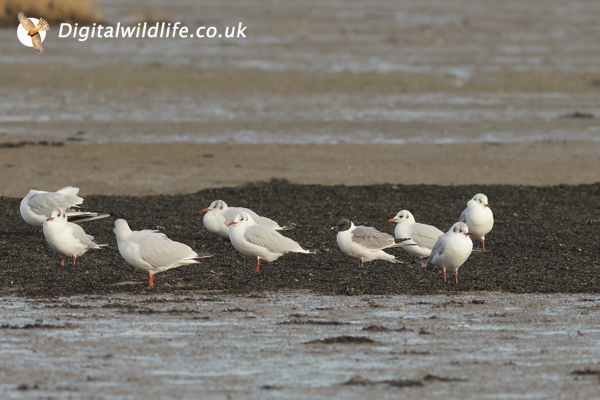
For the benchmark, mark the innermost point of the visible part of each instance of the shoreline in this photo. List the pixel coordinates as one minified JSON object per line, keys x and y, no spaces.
{"x":140,"y":169}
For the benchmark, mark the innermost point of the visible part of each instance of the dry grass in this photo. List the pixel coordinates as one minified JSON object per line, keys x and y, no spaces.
{"x":53,"y":11}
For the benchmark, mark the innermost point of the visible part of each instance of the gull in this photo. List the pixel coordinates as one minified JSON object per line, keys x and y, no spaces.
{"x":33,"y":30}
{"x":66,"y":238}
{"x":479,"y":217}
{"x":422,"y":236}
{"x":218,"y":217}
{"x":260,"y":241}
{"x":152,"y":251}
{"x":451,"y":250}
{"x":38,"y":204}
{"x":366,"y":243}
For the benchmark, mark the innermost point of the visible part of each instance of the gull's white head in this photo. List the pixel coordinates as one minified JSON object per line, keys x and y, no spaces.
{"x":241,"y":219}
{"x":460,"y":228}
{"x":479,"y":199}
{"x":403,"y":216}
{"x":217,"y":205}
{"x":121,"y":227}
{"x":57,"y":215}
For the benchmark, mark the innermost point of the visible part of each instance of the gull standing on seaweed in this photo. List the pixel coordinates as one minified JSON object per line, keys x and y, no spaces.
{"x":479,"y":217}
{"x":152,"y":251}
{"x":366,"y":243}
{"x":260,"y":241}
{"x":66,"y":238}
{"x":421,"y":235}
{"x":218,"y":217}
{"x":38,"y":204}
{"x":451,"y":250}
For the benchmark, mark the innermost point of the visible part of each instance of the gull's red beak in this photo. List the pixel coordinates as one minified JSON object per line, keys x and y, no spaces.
{"x":231,"y":223}
{"x":392,"y":220}
{"x":488,"y":205}
{"x":205,"y":210}
{"x":49,"y":218}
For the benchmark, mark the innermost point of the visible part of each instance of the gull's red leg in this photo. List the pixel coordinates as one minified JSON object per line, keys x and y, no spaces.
{"x":257,"y":264}
{"x":151,"y":282}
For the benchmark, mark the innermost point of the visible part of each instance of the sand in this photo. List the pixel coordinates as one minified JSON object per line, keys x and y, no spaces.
{"x":180,"y":168}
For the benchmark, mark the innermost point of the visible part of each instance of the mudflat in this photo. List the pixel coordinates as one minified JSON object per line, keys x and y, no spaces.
{"x":182,"y":168}
{"x":295,"y":345}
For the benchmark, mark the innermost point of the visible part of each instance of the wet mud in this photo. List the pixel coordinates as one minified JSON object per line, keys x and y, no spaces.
{"x":203,"y":345}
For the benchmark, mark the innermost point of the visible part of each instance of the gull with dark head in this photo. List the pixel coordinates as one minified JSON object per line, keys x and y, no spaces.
{"x":366,"y":243}
{"x":218,"y":217}
{"x":479,"y":217}
{"x":451,"y":250}
{"x":152,"y":251}
{"x":66,"y":238}
{"x":260,"y":241}
{"x":38,"y":204}
{"x":421,"y":235}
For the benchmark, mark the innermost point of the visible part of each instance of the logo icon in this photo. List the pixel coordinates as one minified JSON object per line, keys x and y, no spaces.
{"x":31,"y":31}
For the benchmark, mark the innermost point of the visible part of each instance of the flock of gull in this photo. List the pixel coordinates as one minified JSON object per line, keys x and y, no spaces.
{"x":255,"y":236}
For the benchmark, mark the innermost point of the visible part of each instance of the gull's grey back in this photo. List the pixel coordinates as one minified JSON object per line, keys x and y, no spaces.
{"x":371,"y":238}
{"x":273,"y":241}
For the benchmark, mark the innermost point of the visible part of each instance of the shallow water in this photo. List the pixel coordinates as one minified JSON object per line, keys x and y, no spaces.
{"x":461,"y":42}
{"x":482,"y":345}
{"x":481,"y":112}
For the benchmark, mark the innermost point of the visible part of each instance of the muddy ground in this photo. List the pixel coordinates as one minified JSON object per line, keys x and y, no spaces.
{"x":298,"y":345}
{"x":141,"y":169}
{"x":545,"y":240}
